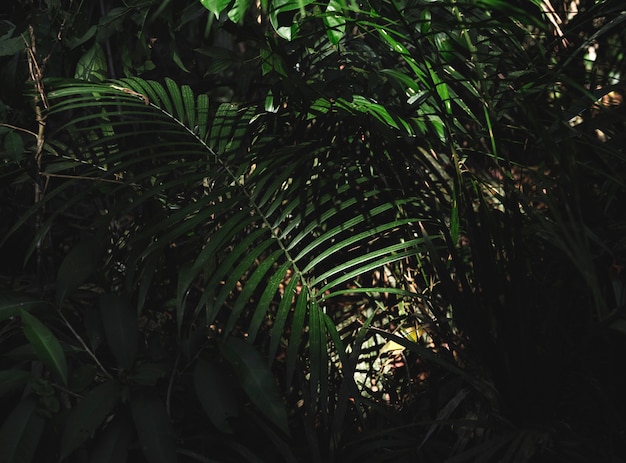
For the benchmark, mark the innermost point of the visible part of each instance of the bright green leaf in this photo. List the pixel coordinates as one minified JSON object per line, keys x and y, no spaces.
{"x":92,"y":66}
{"x":238,"y":11}
{"x":215,"y":6}
{"x":335,"y":22}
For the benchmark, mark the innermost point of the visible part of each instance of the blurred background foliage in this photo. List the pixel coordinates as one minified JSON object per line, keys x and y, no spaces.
{"x":312,"y":231}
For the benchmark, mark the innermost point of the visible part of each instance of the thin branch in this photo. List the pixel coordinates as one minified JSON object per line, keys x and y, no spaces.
{"x":80,"y":177}
{"x":19,"y":129}
{"x":87,"y":349}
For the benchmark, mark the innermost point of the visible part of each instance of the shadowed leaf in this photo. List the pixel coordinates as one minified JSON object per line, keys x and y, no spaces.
{"x":88,"y":415}
{"x":154,"y":429}
{"x":20,"y":433}
{"x":45,"y":345}
{"x":256,"y":379}
{"x":216,"y":394}
{"x":119,"y":320}
{"x":10,"y":380}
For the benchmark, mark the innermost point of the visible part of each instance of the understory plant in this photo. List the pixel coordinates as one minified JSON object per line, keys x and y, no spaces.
{"x":313,"y":231}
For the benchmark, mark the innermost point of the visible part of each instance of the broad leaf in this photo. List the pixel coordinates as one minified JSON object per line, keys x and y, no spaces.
{"x":256,"y":379}
{"x":13,"y":146}
{"x":119,"y":320}
{"x":148,"y":373}
{"x":112,"y":442}
{"x":78,"y":266}
{"x":215,"y":6}
{"x":88,"y":415}
{"x":156,"y":436}
{"x":335,"y":22}
{"x":92,"y":66}
{"x":216,"y":394}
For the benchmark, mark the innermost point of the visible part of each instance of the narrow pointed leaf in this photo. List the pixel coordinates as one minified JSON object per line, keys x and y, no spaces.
{"x":177,"y":99}
{"x":203,"y":116}
{"x":215,"y":6}
{"x":284,"y":307}
{"x":190,"y":106}
{"x":297,"y":327}
{"x":316,"y":369}
{"x":46,"y":346}
{"x":12,"y":303}
{"x":11,"y":380}
{"x":262,"y":307}
{"x":20,"y":433}
{"x":251,"y":286}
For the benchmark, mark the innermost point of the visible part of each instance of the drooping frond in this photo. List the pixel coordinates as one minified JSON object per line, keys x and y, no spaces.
{"x":272,"y":234}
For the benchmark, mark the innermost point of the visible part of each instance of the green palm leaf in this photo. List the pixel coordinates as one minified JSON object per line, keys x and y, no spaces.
{"x":246,"y":214}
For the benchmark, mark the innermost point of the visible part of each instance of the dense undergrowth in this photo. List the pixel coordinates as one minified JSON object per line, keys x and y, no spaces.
{"x":312,"y":231}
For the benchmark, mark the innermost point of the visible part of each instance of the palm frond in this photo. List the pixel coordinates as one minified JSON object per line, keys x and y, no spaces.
{"x":274,"y":234}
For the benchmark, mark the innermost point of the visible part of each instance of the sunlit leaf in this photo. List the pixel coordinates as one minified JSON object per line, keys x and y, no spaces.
{"x":215,"y":6}
{"x":92,"y":66}
{"x":335,"y":22}
{"x":238,"y":11}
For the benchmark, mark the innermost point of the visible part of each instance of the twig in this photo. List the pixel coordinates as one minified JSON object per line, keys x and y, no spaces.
{"x":171,"y":385}
{"x":89,"y":352}
{"x":19,"y":129}
{"x":36,"y":75}
{"x":80,"y":177}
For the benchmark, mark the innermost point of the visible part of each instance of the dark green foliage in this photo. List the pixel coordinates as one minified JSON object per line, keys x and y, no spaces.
{"x":312,"y":231}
